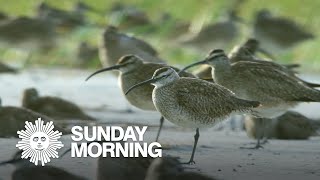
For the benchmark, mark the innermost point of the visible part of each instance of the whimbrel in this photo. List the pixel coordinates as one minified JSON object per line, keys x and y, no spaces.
{"x":170,"y":168}
{"x":275,"y":89}
{"x":278,"y":33}
{"x":128,"y":16}
{"x":114,"y":45}
{"x":243,"y":52}
{"x":132,"y":71}
{"x":291,"y":125}
{"x":27,"y":33}
{"x":13,"y":119}
{"x":193,"y":103}
{"x":54,"y":107}
{"x":25,"y":170}
{"x":6,"y":69}
{"x":219,"y":35}
{"x":63,"y":19}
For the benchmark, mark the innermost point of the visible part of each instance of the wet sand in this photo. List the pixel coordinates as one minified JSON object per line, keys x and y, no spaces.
{"x":218,"y":152}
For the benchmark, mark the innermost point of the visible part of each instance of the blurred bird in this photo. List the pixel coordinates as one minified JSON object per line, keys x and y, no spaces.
{"x":86,"y":53}
{"x":128,"y":16}
{"x":27,"y":33}
{"x":115,"y":45}
{"x":259,"y":81}
{"x":14,"y":119}
{"x":176,"y":26}
{"x":6,"y":69}
{"x":26,"y":170}
{"x":291,"y":125}
{"x":217,"y":35}
{"x":278,"y":33}
{"x":169,"y":168}
{"x":63,"y":19}
{"x":52,"y":106}
{"x":3,"y":16}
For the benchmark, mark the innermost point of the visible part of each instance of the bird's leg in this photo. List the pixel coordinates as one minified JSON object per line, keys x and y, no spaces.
{"x":258,"y":145}
{"x":196,"y":138}
{"x":160,"y":127}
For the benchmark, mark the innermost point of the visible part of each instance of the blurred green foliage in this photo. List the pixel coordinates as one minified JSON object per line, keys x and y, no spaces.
{"x":304,"y":12}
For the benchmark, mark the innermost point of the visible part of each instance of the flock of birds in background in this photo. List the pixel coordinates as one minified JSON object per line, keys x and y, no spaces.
{"x":227,"y":84}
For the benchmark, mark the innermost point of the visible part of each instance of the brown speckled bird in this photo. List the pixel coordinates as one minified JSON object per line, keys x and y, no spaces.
{"x":115,"y":45}
{"x":28,"y":171}
{"x":52,"y":106}
{"x":278,"y":33}
{"x":245,"y":52}
{"x":14,"y":119}
{"x":193,"y":103}
{"x":275,"y":89}
{"x":291,"y":125}
{"x":132,"y":71}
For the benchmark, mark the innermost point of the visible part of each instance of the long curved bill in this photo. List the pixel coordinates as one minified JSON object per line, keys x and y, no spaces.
{"x":192,"y":65}
{"x":140,"y":84}
{"x":103,"y":70}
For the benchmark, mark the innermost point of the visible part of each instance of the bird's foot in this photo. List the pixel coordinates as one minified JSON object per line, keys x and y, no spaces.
{"x":255,"y":147}
{"x":191,"y":162}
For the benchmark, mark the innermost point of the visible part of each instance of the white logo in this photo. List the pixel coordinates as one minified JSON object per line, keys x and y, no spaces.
{"x":39,"y":142}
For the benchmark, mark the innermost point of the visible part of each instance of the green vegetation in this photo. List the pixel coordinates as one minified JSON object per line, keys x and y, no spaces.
{"x":305,"y":12}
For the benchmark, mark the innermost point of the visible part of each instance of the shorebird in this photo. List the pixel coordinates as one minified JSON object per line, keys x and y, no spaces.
{"x":63,"y":19}
{"x":52,"y":106}
{"x":126,"y":16}
{"x":169,"y":168}
{"x":193,"y":103}
{"x":86,"y":53}
{"x":28,"y":171}
{"x":27,"y":33}
{"x":115,"y":45}
{"x":278,"y":33}
{"x":217,"y":35}
{"x":244,"y":52}
{"x":132,"y":71}
{"x":6,"y":69}
{"x":13,"y":119}
{"x":291,"y":125}
{"x":274,"y":88}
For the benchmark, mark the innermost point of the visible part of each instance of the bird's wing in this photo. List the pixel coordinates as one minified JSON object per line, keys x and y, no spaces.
{"x":144,"y":46}
{"x":204,"y":98}
{"x":59,"y":104}
{"x":272,"y":81}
